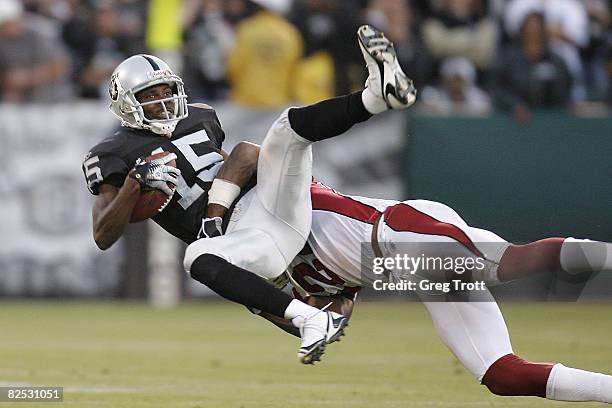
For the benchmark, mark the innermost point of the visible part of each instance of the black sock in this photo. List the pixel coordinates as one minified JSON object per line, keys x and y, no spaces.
{"x":328,"y":118}
{"x":239,"y":285}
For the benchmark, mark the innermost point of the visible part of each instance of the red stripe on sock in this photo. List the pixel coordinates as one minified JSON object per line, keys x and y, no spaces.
{"x":513,"y":376}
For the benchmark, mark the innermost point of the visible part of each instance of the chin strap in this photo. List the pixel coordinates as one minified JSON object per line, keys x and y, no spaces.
{"x":163,"y":129}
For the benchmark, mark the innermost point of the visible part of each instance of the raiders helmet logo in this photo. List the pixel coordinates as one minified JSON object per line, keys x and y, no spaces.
{"x":113,"y":88}
{"x":162,"y":73}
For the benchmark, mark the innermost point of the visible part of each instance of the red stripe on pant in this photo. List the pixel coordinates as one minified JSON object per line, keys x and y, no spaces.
{"x":324,"y":198}
{"x":402,"y":217}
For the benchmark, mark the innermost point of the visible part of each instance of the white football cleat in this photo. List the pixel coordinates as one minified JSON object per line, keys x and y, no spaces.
{"x":317,"y":331}
{"x":386,"y":79}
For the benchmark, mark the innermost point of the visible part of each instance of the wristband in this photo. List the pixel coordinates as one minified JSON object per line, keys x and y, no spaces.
{"x":223,"y":192}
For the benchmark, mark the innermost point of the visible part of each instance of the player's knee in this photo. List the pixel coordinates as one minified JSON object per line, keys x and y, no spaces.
{"x":512,"y":376}
{"x":289,"y":124}
{"x":191,"y":253}
{"x":206,"y":268}
{"x":197,"y":249}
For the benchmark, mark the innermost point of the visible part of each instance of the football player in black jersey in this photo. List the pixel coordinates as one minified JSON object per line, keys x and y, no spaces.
{"x":271,"y":222}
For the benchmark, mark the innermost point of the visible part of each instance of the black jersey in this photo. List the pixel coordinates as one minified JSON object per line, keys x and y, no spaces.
{"x":196,"y":141}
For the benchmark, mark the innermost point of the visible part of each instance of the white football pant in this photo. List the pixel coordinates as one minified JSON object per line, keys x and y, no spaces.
{"x":270,"y":224}
{"x":475,"y":332}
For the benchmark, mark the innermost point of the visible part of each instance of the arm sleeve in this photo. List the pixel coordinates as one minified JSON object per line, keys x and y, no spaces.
{"x":103,"y":168}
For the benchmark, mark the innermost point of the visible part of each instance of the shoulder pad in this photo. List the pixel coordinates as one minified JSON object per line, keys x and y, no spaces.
{"x":200,"y":106}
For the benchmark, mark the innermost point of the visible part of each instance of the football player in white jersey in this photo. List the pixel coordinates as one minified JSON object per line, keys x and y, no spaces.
{"x":348,"y":232}
{"x":474,"y":331}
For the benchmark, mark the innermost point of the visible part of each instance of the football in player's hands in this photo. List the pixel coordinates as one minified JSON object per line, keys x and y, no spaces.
{"x":154,"y":176}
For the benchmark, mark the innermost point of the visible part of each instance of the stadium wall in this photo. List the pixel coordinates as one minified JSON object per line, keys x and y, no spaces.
{"x":550,"y":177}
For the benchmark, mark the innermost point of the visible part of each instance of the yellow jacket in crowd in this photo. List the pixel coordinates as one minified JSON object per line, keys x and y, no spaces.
{"x":262,"y":64}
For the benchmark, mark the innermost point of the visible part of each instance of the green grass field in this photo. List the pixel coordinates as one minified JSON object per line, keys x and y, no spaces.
{"x":218,"y":355}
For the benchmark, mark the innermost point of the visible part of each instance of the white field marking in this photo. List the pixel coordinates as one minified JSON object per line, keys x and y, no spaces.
{"x":505,"y":402}
{"x":87,"y":345}
{"x":402,"y":403}
{"x":12,"y":372}
{"x":15,"y":384}
{"x":104,"y":390}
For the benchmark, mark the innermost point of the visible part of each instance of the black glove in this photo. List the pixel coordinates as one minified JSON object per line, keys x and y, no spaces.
{"x":211,"y":227}
{"x":156,"y":175}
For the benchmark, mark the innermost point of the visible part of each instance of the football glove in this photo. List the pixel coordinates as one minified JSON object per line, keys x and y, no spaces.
{"x":155,"y":175}
{"x":211,"y":227}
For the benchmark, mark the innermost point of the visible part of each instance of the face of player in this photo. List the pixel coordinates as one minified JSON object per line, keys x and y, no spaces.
{"x":154,"y":110}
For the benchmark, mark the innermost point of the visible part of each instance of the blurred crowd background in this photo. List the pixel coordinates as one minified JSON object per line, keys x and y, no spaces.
{"x":466,"y":56}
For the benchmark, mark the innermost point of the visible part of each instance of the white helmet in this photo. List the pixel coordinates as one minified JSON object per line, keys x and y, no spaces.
{"x":135,"y":74}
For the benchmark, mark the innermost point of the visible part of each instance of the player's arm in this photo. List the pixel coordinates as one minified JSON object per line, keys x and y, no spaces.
{"x":282,"y":324}
{"x":112,"y":211}
{"x":339,"y":304}
{"x":114,"y":206}
{"x":239,"y":167}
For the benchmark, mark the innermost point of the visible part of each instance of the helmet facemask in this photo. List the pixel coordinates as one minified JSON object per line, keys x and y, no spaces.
{"x":174,"y":108}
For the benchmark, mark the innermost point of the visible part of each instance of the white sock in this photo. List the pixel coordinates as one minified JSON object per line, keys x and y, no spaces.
{"x":298,"y":311}
{"x":373,"y":103}
{"x":584,"y":255}
{"x":571,"y":384}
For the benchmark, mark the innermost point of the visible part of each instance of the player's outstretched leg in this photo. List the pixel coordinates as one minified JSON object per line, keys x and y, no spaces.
{"x":317,"y":328}
{"x":570,"y":255}
{"x":477,"y":335}
{"x":387,"y":87}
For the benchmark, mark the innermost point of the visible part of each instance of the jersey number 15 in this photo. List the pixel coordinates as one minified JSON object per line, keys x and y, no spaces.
{"x":206,"y":166}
